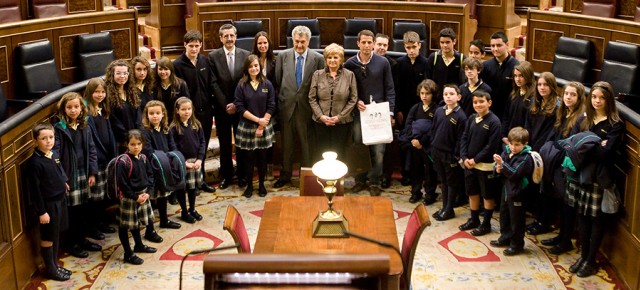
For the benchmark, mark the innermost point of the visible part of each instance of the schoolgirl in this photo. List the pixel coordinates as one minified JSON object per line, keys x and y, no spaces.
{"x":169,"y":86}
{"x":144,"y":80}
{"x":123,"y":100}
{"x":518,"y":104}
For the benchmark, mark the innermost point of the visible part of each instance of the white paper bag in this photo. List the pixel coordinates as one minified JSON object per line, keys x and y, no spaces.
{"x":376,"y":124}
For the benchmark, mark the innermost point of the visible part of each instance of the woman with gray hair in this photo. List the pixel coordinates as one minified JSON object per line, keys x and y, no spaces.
{"x":332,"y":97}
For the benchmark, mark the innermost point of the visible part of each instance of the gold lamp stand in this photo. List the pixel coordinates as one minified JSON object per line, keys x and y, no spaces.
{"x":329,"y":223}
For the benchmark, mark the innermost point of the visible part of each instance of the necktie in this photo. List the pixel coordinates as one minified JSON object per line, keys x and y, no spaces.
{"x":299,"y":71}
{"x":230,"y":63}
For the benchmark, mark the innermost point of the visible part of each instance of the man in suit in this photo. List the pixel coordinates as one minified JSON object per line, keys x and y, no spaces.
{"x":294,"y":68}
{"x":227,"y":63}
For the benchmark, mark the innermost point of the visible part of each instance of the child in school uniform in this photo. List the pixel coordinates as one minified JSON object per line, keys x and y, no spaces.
{"x":472,"y":68}
{"x":134,"y":181}
{"x":47,"y":187}
{"x":516,"y":165}
{"x":105,"y":144}
{"x":123,"y":100}
{"x":518,"y":104}
{"x":78,"y":156}
{"x":481,"y":139}
{"x":188,"y":136}
{"x":448,"y":126}
{"x":144,"y":80}
{"x":476,"y":49}
{"x":155,"y":129}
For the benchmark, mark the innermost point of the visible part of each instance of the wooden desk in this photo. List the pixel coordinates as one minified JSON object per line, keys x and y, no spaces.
{"x":286,"y":228}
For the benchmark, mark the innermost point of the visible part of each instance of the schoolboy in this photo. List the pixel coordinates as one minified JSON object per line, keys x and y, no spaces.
{"x":448,"y":126}
{"x":476,"y":49}
{"x":498,"y":71}
{"x":47,"y":187}
{"x":481,"y":139}
{"x":445,"y":66}
{"x":472,"y":68}
{"x":516,"y":165}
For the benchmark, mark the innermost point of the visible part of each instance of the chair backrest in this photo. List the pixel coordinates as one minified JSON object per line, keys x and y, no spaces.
{"x":572,"y":61}
{"x":399,"y":28}
{"x":314,"y":26}
{"x":10,"y":11}
{"x":418,"y":221}
{"x":351,"y":29}
{"x":234,"y":224}
{"x":309,"y":185}
{"x":247,"y":30}
{"x":637,"y":16}
{"x":36,"y":70}
{"x":95,"y":52}
{"x":621,"y":66}
{"x":471,"y":3}
{"x":49,"y":8}
{"x":601,"y":8}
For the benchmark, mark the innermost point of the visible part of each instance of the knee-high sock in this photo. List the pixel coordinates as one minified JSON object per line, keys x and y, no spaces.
{"x":597,"y":234}
{"x":182,"y":200}
{"x":488,"y":213}
{"x":192,"y":199}
{"x":137,"y":239}
{"x":123,"y":235}
{"x":47,"y":257}
{"x":161,"y":204}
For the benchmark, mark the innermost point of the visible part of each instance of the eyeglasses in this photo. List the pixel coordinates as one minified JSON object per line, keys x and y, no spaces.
{"x":363,"y":69}
{"x":122,"y":74}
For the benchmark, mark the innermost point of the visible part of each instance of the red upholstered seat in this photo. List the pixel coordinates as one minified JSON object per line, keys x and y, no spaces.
{"x":471,"y":3}
{"x":601,"y":8}
{"x":418,"y":221}
{"x":9,"y":11}
{"x":234,"y":224}
{"x":637,"y":17}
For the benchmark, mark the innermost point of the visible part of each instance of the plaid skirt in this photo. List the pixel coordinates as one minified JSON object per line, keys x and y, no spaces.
{"x":585,"y":198}
{"x":193,"y":179}
{"x":99,"y":190}
{"x":158,"y":193}
{"x":132,"y":214}
{"x":246,"y":136}
{"x":79,"y":190}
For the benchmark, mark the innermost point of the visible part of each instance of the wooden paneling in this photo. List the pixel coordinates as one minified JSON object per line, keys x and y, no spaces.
{"x":626,"y":8}
{"x":7,"y":271}
{"x":80,"y":6}
{"x":497,"y":15}
{"x":165,"y":24}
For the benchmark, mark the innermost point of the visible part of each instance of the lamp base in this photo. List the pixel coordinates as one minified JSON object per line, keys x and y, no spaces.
{"x":330,"y":228}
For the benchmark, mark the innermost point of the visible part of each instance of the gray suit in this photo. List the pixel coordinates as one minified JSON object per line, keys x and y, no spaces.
{"x":295,"y":111}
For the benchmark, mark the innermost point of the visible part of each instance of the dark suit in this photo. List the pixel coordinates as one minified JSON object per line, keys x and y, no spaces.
{"x":295,"y":111}
{"x":224,"y":121}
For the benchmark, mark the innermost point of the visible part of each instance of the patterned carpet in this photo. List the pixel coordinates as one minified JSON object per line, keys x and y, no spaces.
{"x":446,"y":258}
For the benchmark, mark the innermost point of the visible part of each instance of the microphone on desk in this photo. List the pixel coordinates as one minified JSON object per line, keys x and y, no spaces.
{"x":203,"y":251}
{"x":383,"y":244}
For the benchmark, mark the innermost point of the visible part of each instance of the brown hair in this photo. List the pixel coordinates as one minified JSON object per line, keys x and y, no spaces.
{"x":245,"y":70}
{"x":35,"y":132}
{"x":518,"y":134}
{"x":149,"y":82}
{"x":526,"y":69}
{"x":82,"y":118}
{"x":539,"y":105}
{"x":570,"y":114}
{"x":91,"y":87}
{"x":609,"y":106}
{"x":113,"y":96}
{"x":195,"y":124}
{"x":164,"y":125}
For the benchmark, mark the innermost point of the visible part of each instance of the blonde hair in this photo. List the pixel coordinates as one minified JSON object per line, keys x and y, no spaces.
{"x":195,"y":124}
{"x":164,"y":124}
{"x":334,"y":49}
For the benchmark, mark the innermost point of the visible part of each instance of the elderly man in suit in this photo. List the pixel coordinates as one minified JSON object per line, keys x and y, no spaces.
{"x":294,"y":69}
{"x":227,"y":63}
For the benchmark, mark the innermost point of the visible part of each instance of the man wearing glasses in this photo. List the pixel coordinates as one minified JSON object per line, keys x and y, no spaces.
{"x":375,"y":82}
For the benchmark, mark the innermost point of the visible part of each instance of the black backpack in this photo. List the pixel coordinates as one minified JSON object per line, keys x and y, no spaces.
{"x":113,"y":192}
{"x":169,"y":170}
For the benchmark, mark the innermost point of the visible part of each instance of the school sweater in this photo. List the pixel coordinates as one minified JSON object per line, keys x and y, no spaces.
{"x":418,"y":113}
{"x":481,"y":140}
{"x":124,"y":119}
{"x":258,"y":102}
{"x":191,"y":143}
{"x":70,"y":156}
{"x":499,"y":77}
{"x":170,"y":95}
{"x":141,"y":177}
{"x":409,"y":75}
{"x":447,"y":130}
{"x":466,"y":102}
{"x":45,"y":180}
{"x":444,"y":74}
{"x":204,"y":90}
{"x":157,"y":140}
{"x":103,"y":139}
{"x":516,"y":112}
{"x":539,"y":127}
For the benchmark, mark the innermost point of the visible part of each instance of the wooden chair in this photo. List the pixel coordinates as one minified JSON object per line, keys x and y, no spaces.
{"x":418,"y":221}
{"x":234,"y":224}
{"x":10,"y":11}
{"x":49,"y":8}
{"x":309,"y":185}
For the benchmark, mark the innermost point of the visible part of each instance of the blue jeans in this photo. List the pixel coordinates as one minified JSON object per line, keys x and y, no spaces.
{"x":375,"y":151}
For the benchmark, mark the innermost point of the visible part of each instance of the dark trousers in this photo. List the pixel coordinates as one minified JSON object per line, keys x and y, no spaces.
{"x":512,"y":220}
{"x":422,"y":173}
{"x":450,"y":175}
{"x":225,"y":126}
{"x":206,"y":120}
{"x":331,"y":138}
{"x":296,"y":132}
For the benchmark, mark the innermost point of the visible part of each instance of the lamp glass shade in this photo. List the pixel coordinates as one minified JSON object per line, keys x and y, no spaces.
{"x":329,"y":168}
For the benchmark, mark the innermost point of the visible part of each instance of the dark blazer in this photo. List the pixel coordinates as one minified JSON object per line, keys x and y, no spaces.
{"x":64,"y":146}
{"x":290,"y":97}
{"x":105,"y":152}
{"x":218,"y":63}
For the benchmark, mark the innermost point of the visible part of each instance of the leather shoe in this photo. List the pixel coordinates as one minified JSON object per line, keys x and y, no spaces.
{"x":107,"y":229}
{"x":551,"y":241}
{"x":262,"y":191}
{"x":90,"y":246}
{"x":499,"y":243}
{"x":144,"y":249}
{"x":443,"y":216}
{"x":587,"y":270}
{"x":64,"y":270}
{"x":224,"y":183}
{"x":280,"y":183}
{"x":429,"y":200}
{"x":386,"y":182}
{"x":538,"y":229}
{"x":358,"y":187}
{"x":512,"y":251}
{"x":77,"y":252}
{"x":194,"y":213}
{"x":576,"y":266}
{"x":242,"y":182}
{"x":207,"y":188}
{"x":186,"y":217}
{"x":172,"y":199}
{"x":133,"y":259}
{"x":248,"y":192}
{"x":375,"y":190}
{"x":170,"y":225}
{"x":437,"y":213}
{"x":95,"y":234}
{"x":57,"y":275}
{"x":560,"y":249}
{"x":481,"y":230}
{"x":415,"y":198}
{"x":153,"y":237}
{"x":470,"y":224}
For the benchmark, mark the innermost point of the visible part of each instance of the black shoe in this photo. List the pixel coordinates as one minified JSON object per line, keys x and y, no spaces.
{"x":170,"y":225}
{"x":531,"y":225}
{"x":360,"y":186}
{"x":90,"y":246}
{"x":262,"y":191}
{"x":242,"y":182}
{"x":576,"y":266}
{"x":280,"y":183}
{"x":443,"y":216}
{"x":386,"y":182}
{"x":551,"y":242}
{"x":224,"y":183}
{"x":539,"y":229}
{"x":248,"y":192}
{"x":470,"y":224}
{"x":437,"y":213}
{"x":375,"y":190}
{"x":107,"y":229}
{"x":144,"y":249}
{"x":95,"y":234}
{"x":587,"y":270}
{"x":57,"y":275}
{"x":65,"y":270}
{"x":499,"y":243}
{"x":153,"y":237}
{"x":481,"y":230}
{"x":172,"y":199}
{"x":429,"y":200}
{"x":194,"y":213}
{"x":405,"y":181}
{"x":560,"y":249}
{"x":77,"y":252}
{"x":512,"y":251}
{"x":415,"y":198}
{"x":207,"y":188}
{"x":186,"y":217}
{"x":133,"y":259}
